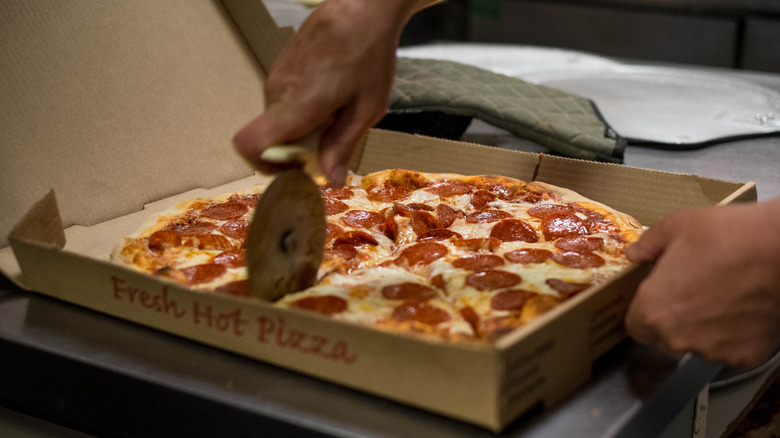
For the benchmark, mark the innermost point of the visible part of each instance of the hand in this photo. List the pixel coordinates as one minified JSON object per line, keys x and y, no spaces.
{"x":715,"y":287}
{"x":336,"y":73}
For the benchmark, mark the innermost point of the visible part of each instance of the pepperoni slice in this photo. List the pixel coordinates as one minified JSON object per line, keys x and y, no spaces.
{"x":439,"y":234}
{"x":478,"y":243}
{"x":528,"y":255}
{"x":566,"y":289}
{"x":470,"y":315}
{"x":533,"y":197}
{"x":596,"y":222}
{"x":231,"y":259}
{"x":438,"y":281}
{"x":332,"y":231}
{"x":578,"y":260}
{"x":513,"y":230}
{"x":447,"y":215}
{"x":422,"y":221}
{"x":390,"y":229}
{"x":239,"y":288}
{"x":334,"y":206}
{"x":486,"y":216}
{"x":235,"y":229}
{"x":420,"y":311}
{"x":363,"y":218}
{"x":336,"y":192}
{"x":355,"y":238}
{"x":345,"y":251}
{"x":512,"y":300}
{"x":602,"y":226}
{"x":249,"y":200}
{"x":422,"y":253}
{"x":563,"y":225}
{"x":225,"y":211}
{"x":193,"y":228}
{"x":481,"y":198}
{"x":579,"y":243}
{"x":408,"y":291}
{"x":492,"y":280}
{"x":161,"y":239}
{"x":449,"y":188}
{"x":210,"y":241}
{"x":204,"y":273}
{"x":502,"y":192}
{"x":544,"y":211}
{"x":406,"y":210}
{"x":324,"y":304}
{"x":414,"y":206}
{"x":387,"y":193}
{"x":478,"y":262}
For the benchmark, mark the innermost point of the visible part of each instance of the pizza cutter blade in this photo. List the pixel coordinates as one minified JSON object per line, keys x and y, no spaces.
{"x":286,"y":240}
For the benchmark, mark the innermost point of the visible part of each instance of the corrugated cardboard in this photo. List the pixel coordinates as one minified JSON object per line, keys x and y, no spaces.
{"x":118,"y":103}
{"x":157,"y":131}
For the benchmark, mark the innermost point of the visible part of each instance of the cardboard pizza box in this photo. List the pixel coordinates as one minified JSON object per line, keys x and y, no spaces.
{"x":112,"y":112}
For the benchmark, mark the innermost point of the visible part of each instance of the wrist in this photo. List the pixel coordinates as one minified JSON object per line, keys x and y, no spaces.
{"x":772,"y":215}
{"x":769,"y":228}
{"x":391,"y":15}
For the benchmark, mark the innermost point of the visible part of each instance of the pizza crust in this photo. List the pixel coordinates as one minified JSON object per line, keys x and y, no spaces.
{"x":625,"y":220}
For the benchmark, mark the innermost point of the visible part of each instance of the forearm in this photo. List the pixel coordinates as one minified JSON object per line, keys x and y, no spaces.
{"x":773,"y":215}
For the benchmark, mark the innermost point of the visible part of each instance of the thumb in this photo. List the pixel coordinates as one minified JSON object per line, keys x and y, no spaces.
{"x":652,"y":243}
{"x":341,"y":138}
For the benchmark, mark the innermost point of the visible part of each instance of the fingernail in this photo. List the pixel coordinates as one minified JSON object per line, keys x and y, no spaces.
{"x":634,"y":254}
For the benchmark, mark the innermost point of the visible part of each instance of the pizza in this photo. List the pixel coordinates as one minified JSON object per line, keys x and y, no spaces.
{"x":450,"y":256}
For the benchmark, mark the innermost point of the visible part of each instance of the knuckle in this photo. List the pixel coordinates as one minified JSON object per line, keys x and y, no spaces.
{"x":680,"y":343}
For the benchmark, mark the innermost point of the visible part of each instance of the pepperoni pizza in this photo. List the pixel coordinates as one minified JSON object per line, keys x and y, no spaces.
{"x":456,"y":257}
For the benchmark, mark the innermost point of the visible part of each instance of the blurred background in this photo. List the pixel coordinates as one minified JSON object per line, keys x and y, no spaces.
{"x":743,"y":34}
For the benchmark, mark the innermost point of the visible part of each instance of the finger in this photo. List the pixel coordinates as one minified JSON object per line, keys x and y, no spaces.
{"x":649,"y":312}
{"x":652,"y":243}
{"x":339,"y":142}
{"x":636,"y":325}
{"x":274,"y":127}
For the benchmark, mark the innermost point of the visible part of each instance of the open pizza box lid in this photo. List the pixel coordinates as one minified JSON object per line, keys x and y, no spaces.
{"x":114,"y":106}
{"x":124,"y":105}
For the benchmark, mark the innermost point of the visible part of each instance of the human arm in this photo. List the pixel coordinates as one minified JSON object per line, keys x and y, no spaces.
{"x":715,"y":286}
{"x":336,"y":73}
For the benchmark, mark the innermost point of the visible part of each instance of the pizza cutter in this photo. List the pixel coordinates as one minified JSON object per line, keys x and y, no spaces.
{"x":286,"y":240}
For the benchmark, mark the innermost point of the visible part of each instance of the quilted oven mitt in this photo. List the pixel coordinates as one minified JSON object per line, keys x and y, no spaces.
{"x":566,"y":123}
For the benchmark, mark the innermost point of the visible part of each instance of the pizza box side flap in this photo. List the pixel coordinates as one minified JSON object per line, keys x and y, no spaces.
{"x":41,"y":225}
{"x":115,"y":104}
{"x":383,"y":149}
{"x":648,"y":195}
{"x":747,"y":193}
